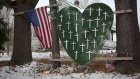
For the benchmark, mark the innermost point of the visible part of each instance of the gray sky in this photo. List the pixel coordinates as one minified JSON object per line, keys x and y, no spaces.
{"x":108,"y":2}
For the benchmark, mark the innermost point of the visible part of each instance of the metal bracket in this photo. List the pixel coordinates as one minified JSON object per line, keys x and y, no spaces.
{"x":123,"y":11}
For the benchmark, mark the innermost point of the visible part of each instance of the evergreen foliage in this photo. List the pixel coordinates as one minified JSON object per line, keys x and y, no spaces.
{"x":4,"y":3}
{"x":3,"y":33}
{"x":3,"y":25}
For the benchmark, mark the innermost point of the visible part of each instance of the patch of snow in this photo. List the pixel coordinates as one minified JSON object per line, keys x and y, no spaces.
{"x":110,"y":43}
{"x":37,"y":55}
{"x":106,"y":51}
{"x":5,"y":57}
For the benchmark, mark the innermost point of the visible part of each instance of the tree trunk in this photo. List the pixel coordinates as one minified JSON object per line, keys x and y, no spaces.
{"x":55,"y":39}
{"x":135,"y":17}
{"x":126,"y":27}
{"x":22,"y":34}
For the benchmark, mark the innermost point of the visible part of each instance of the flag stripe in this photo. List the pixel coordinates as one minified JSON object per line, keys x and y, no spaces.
{"x":42,"y":26}
{"x":46,"y":24}
{"x":49,"y":28}
{"x":37,"y":33}
{"x":40,"y":33}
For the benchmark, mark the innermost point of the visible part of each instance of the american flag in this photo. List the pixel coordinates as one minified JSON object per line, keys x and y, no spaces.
{"x":40,"y":21}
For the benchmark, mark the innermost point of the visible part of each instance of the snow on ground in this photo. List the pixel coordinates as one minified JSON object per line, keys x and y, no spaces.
{"x":30,"y":71}
{"x":36,"y":70}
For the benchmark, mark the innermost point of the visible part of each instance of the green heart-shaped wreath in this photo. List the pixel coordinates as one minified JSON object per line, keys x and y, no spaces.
{"x":83,"y":34}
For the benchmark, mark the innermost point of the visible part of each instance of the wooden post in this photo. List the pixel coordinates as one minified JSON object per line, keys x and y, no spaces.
{"x":55,"y":39}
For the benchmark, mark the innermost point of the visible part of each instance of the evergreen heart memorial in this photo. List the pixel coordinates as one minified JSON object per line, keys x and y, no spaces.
{"x":83,"y":34}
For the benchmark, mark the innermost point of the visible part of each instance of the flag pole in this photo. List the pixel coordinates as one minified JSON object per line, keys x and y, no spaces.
{"x":49,"y":6}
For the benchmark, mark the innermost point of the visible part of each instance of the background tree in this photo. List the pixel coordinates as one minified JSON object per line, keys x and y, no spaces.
{"x":55,"y":39}
{"x":127,"y":29}
{"x":22,"y":33}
